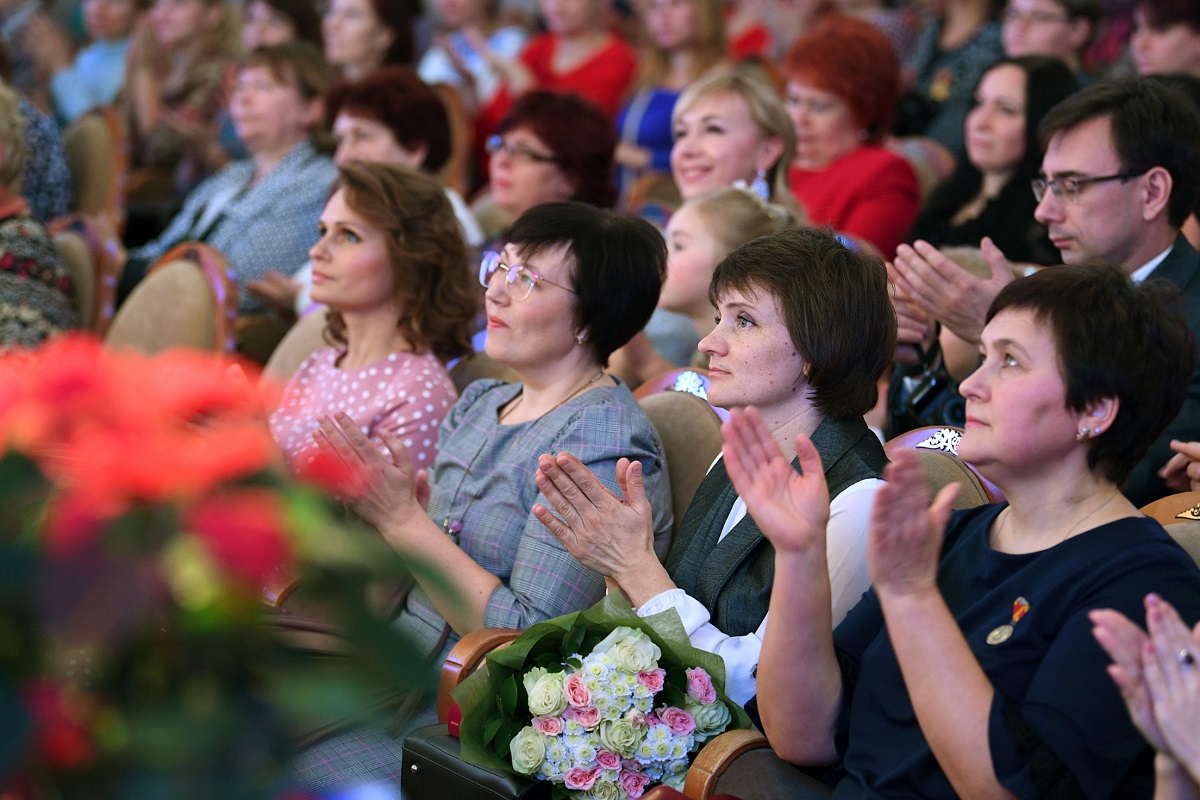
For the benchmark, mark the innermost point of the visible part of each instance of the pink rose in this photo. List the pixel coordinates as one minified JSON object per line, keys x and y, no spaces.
{"x":587,"y":717}
{"x":653,"y":680}
{"x":652,"y":718}
{"x":550,"y":726}
{"x":608,"y":760}
{"x":700,"y":686}
{"x":576,"y":691}
{"x":580,"y":778}
{"x":679,"y":721}
{"x":637,"y":718}
{"x":634,"y":783}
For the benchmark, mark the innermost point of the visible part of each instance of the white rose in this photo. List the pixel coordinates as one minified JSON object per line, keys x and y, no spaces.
{"x":604,"y":790}
{"x":620,"y":736}
{"x":546,"y":697}
{"x":528,"y":750}
{"x":711,"y":718}
{"x":630,"y":649}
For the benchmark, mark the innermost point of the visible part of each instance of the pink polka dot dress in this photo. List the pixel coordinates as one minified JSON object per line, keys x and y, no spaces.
{"x":405,"y":394}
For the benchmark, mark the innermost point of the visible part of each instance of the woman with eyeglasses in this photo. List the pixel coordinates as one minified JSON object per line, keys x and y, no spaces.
{"x":571,"y":285}
{"x":549,"y":147}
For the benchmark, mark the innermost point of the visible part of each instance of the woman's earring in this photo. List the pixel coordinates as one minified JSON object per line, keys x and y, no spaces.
{"x":760,"y":186}
{"x":1083,"y":434}
{"x":580,"y":338}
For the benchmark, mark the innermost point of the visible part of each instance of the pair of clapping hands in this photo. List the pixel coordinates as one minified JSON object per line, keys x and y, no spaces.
{"x":1159,"y":678}
{"x":927,"y":285}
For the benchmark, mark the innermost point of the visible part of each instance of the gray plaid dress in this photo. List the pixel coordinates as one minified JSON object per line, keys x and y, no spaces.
{"x":483,"y":492}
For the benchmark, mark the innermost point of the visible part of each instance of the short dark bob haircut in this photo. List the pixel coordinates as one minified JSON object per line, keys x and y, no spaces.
{"x":836,"y":306}
{"x":620,"y":264}
{"x":398,"y":99}
{"x":581,"y":138}
{"x":1114,"y":339}
{"x":1152,"y":125}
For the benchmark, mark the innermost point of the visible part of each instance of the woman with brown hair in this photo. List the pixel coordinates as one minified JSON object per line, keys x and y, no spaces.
{"x":392,"y":267}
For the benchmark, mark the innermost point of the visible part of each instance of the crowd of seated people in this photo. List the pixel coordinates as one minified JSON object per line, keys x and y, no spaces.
{"x":780,"y":195}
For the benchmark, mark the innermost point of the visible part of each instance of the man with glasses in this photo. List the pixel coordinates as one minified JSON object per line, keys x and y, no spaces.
{"x":1119,"y":178}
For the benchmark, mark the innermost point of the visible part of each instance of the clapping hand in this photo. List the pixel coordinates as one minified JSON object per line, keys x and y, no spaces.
{"x":1169,"y":661}
{"x":791,"y":508}
{"x":389,"y":487}
{"x":611,"y":535}
{"x":906,"y":529}
{"x":1182,"y":472}
{"x":1124,"y":642}
{"x":947,"y":292}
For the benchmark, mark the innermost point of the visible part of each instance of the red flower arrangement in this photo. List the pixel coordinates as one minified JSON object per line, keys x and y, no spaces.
{"x":142,"y":511}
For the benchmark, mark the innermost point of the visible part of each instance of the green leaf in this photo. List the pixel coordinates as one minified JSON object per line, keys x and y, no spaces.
{"x":574,"y":663}
{"x":574,"y":638}
{"x":506,"y":697}
{"x":492,"y":728}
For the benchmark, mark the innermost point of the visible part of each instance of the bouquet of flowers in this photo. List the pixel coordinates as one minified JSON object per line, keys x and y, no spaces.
{"x":141,"y":515}
{"x":601,"y":703}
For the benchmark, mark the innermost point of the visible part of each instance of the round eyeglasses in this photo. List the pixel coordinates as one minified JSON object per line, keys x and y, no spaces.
{"x":518,"y":280}
{"x":516,"y":150}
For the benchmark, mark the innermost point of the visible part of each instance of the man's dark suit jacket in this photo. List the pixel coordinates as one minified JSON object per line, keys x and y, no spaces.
{"x":1182,"y":268}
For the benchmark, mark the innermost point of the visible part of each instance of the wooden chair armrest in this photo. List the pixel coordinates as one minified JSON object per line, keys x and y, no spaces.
{"x":715,"y":757}
{"x":464,"y":658}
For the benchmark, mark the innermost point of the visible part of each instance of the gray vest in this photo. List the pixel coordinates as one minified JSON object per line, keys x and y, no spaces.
{"x":732,"y":577}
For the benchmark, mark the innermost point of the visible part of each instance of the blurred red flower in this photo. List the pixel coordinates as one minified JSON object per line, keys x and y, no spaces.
{"x":243,"y":529}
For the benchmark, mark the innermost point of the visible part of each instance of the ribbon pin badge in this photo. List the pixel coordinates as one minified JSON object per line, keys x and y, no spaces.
{"x":1003,"y":633}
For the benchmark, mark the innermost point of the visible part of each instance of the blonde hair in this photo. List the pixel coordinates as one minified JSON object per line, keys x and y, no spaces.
{"x":767,"y":111}
{"x":12,"y":138}
{"x":734,"y":216}
{"x":709,"y":47}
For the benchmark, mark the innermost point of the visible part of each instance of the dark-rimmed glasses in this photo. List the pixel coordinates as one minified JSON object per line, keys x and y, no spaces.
{"x":518,"y":280}
{"x":516,"y":151}
{"x":1068,"y":188}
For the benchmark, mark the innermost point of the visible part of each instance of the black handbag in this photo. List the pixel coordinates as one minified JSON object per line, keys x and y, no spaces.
{"x":434,"y":768}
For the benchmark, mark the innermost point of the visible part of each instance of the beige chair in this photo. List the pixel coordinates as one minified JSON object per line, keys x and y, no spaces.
{"x":475,"y":366}
{"x":691,"y":437}
{"x":1180,"y":515}
{"x":937,"y":448}
{"x":304,"y":338}
{"x":98,"y":156}
{"x":188,"y":299}
{"x":91,"y":255}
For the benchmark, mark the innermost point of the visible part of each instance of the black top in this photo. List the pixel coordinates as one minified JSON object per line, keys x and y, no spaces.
{"x":1058,"y":725}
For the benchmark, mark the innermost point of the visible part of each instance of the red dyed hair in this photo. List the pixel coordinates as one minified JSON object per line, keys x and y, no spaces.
{"x":851,"y":58}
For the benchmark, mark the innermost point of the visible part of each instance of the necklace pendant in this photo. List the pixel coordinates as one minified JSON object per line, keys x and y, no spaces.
{"x":1000,"y":634}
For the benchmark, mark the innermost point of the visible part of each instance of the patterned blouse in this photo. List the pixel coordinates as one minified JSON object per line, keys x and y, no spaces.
{"x":35,"y":285}
{"x":261,"y":226}
{"x":403,"y":394}
{"x":483,"y":493}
